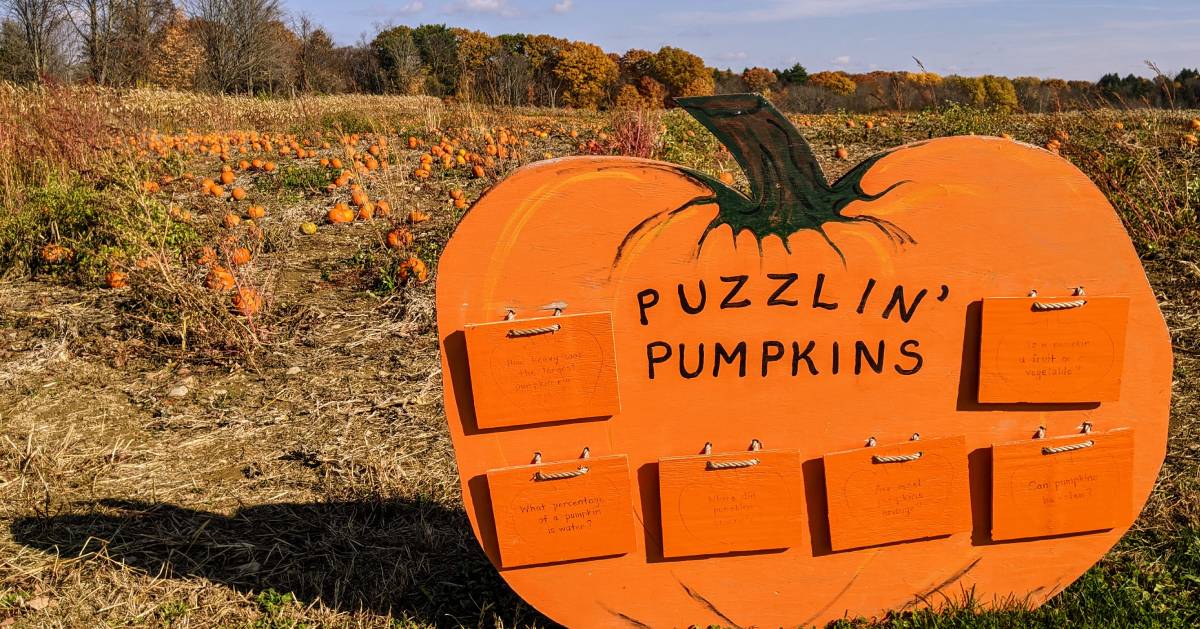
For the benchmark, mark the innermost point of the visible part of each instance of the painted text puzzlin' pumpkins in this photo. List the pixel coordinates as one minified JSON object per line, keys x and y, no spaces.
{"x":676,"y":402}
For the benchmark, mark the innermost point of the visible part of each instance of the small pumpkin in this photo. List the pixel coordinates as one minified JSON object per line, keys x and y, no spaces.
{"x":340,"y":213}
{"x":220,"y":279}
{"x":227,"y":177}
{"x":247,"y":301}
{"x":116,"y":279}
{"x":231,"y":220}
{"x":238,"y":194}
{"x":383,"y":208}
{"x":417,"y":216}
{"x":414,"y":268}
{"x":55,"y":254}
{"x":207,"y":256}
{"x":308,"y":228}
{"x":399,"y":238}
{"x":240,"y":256}
{"x":366,"y":212}
{"x":256,"y":211}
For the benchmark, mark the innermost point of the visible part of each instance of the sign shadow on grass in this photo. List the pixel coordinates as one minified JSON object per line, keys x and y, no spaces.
{"x":407,"y":558}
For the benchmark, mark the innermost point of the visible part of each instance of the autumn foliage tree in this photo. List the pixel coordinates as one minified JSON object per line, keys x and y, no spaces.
{"x":179,"y":55}
{"x":836,"y":82}
{"x":587,"y":75}
{"x":759,"y":80}
{"x":680,"y":72}
{"x":399,"y":60}
{"x":252,"y":46}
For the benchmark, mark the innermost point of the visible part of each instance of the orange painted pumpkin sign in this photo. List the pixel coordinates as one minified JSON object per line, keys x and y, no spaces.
{"x":810,"y":316}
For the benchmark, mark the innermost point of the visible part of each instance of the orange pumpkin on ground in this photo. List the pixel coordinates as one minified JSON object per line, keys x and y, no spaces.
{"x":247,"y":301}
{"x":55,"y":254}
{"x":116,"y":279}
{"x":240,"y":256}
{"x":807,"y":314}
{"x":220,"y":279}
{"x":207,"y":256}
{"x":399,"y":238}
{"x":414,"y":268}
{"x":417,"y":216}
{"x":340,"y":213}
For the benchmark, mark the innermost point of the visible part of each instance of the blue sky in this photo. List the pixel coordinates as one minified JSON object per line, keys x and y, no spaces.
{"x":1071,"y":39}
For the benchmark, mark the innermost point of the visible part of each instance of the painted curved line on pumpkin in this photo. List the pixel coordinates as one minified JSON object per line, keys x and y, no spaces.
{"x":524,"y":212}
{"x":857,"y":573}
{"x":919,"y":598}
{"x":630,"y":620}
{"x":788,"y":190}
{"x":700,"y":598}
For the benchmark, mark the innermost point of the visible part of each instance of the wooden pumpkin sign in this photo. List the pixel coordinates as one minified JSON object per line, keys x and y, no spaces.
{"x":659,"y":321}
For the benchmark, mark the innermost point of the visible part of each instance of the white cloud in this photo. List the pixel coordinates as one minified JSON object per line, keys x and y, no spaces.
{"x":786,"y":10}
{"x":376,"y":10}
{"x":564,"y":6}
{"x":841,"y":60}
{"x":493,"y":7}
{"x":733,"y":56}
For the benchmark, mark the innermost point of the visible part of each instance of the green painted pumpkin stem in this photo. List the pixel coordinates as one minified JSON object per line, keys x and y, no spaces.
{"x":788,"y":190}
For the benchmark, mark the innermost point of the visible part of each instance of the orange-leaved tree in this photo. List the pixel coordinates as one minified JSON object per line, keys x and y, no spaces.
{"x":759,"y":80}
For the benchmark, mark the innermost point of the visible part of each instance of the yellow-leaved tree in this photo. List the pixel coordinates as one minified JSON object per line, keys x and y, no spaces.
{"x":587,"y":74}
{"x":179,"y":55}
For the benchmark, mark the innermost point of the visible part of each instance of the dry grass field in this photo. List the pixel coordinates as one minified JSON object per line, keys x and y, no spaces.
{"x":272,"y":453}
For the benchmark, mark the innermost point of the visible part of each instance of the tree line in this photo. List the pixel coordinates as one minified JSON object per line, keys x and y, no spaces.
{"x":255,"y":47}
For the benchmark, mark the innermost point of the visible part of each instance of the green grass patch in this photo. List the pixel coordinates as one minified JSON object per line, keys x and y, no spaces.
{"x":99,"y":227}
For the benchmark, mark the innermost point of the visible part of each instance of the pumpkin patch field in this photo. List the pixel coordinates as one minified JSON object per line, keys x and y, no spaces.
{"x":220,"y":381}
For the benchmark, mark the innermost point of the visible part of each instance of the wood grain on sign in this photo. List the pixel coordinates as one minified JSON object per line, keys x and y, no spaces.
{"x":872,"y":502}
{"x":1029,"y":354}
{"x":567,"y":372}
{"x":540,"y":520}
{"x":707,"y":510}
{"x":1037,"y":493}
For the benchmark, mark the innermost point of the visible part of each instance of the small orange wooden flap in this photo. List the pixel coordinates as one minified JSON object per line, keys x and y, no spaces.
{"x":547,"y":369}
{"x":737,"y":501}
{"x":562,"y":511}
{"x":1073,"y":484}
{"x":1068,"y":349}
{"x":898,"y":492}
